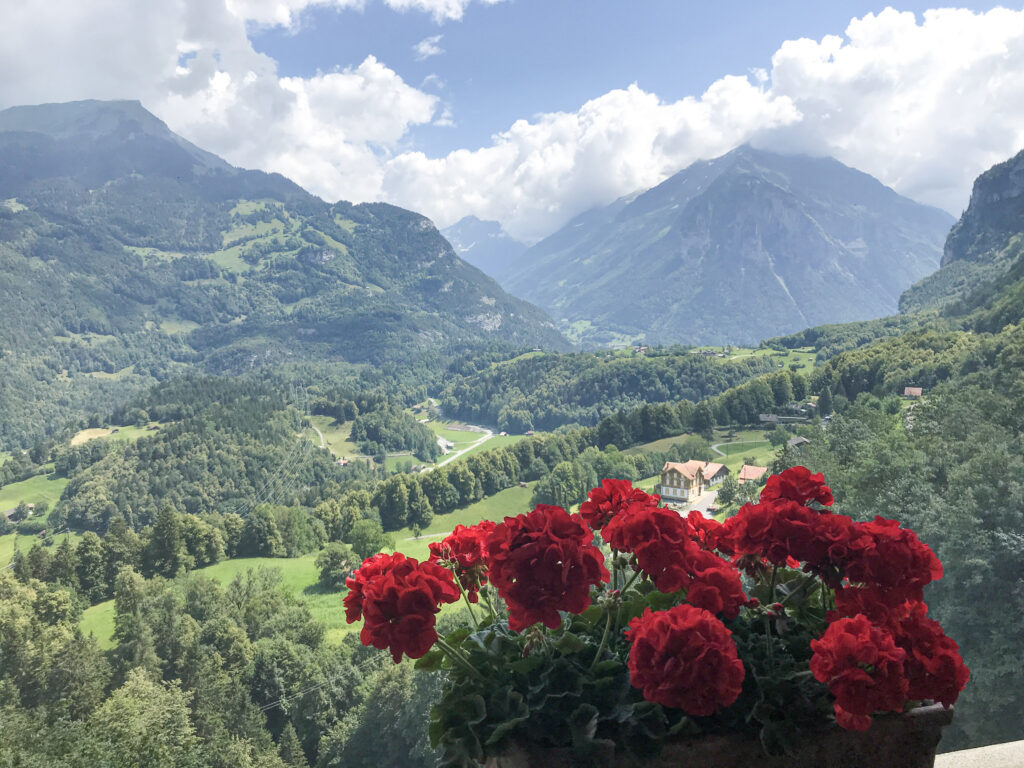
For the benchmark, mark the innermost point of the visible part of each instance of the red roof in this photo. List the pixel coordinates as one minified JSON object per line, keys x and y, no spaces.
{"x":912,"y":391}
{"x":751,"y":472}
{"x":687,"y":469}
{"x":711,"y":469}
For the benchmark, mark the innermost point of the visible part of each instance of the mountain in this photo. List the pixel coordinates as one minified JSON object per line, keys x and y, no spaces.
{"x":984,"y":243}
{"x":734,"y":250}
{"x":127,"y":254}
{"x":485,"y":245}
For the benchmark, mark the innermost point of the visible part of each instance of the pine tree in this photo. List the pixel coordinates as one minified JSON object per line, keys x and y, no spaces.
{"x":90,"y":567}
{"x":289,"y":748}
{"x":164,"y":553}
{"x":64,"y":570}
{"x":825,"y":402}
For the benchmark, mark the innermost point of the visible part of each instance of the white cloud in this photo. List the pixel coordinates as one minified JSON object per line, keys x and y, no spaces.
{"x":427,"y":47}
{"x":924,"y":104}
{"x":286,"y":13}
{"x":192,"y":64}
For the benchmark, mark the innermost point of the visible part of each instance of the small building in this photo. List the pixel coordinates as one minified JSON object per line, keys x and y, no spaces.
{"x":912,"y":391}
{"x":751,"y":473}
{"x":685,"y":481}
{"x":768,"y":418}
{"x":798,"y":442}
{"x":714,"y":474}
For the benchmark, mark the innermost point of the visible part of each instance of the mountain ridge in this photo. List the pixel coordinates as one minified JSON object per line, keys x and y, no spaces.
{"x":128,"y":257}
{"x":736,"y":249}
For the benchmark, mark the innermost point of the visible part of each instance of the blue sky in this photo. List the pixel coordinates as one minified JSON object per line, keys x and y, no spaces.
{"x":519,"y":58}
{"x":532,"y":111}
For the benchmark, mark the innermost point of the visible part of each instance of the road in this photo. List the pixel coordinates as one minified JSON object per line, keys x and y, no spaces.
{"x":488,"y":434}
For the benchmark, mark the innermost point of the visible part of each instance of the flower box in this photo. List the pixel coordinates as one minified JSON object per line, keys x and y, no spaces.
{"x":893,"y":741}
{"x":629,"y":635}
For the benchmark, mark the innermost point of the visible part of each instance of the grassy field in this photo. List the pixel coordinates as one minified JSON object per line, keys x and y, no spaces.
{"x":131,"y":432}
{"x":658,"y":445}
{"x":336,"y":436}
{"x":802,"y":357}
{"x":299,"y":574}
{"x":12,"y":541}
{"x":33,"y":490}
{"x":171,"y":327}
{"x":126,"y":371}
{"x":461,"y":438}
{"x":497,"y":441}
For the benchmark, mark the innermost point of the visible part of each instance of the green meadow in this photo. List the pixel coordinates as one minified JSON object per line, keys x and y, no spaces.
{"x":299,"y":574}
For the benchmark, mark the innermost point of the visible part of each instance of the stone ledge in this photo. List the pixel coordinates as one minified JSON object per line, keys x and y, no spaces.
{"x":1009,"y":755}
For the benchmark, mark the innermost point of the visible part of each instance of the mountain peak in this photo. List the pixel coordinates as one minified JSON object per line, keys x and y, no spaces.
{"x":117,"y":133}
{"x":735,"y":249}
{"x":90,"y":117}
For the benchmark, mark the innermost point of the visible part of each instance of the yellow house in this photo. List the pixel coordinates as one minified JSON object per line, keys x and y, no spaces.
{"x":685,"y":481}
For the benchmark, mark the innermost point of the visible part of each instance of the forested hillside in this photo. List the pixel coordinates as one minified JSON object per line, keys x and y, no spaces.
{"x":538,"y":391}
{"x":130,"y":255}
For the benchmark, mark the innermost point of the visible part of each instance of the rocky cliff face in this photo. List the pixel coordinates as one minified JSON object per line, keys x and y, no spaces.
{"x":982,"y":245}
{"x":485,"y":245}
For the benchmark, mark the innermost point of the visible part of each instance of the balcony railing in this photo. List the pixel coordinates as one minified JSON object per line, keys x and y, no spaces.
{"x":1009,"y":755}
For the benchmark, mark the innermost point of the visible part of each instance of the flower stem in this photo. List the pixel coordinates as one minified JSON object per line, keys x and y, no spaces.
{"x":604,"y":637}
{"x":771,"y":586}
{"x":768,"y":640}
{"x":629,"y":583}
{"x":458,"y":658}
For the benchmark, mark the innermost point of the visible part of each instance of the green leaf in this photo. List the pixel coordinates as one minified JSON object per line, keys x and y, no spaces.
{"x":569,"y":643}
{"x":431,"y":661}
{"x":456,"y":637}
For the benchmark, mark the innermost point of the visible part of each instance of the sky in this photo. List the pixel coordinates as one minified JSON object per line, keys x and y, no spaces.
{"x":530,"y":112}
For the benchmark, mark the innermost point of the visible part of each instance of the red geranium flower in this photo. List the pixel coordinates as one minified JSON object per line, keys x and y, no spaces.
{"x":463,"y":551}
{"x":891,"y":557}
{"x":705,"y":530}
{"x":685,"y":658}
{"x":399,"y":598}
{"x":934,"y":668}
{"x":613,"y":496}
{"x":863,"y":668}
{"x":372,"y":568}
{"x":714,"y":585}
{"x":799,"y":485}
{"x":544,"y":562}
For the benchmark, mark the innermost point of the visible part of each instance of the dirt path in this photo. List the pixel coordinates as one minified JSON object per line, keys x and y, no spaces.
{"x":323,"y":443}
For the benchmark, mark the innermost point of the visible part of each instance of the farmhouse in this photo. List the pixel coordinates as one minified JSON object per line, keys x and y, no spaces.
{"x":751,"y":473}
{"x":912,"y":391}
{"x":685,"y":481}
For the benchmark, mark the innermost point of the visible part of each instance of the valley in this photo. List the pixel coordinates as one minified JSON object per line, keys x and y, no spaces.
{"x":215,"y":382}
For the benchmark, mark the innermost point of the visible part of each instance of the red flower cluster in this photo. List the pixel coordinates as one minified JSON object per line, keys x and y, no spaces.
{"x":668,"y":549}
{"x":781,"y":529}
{"x":613,"y":496}
{"x":544,"y":562}
{"x":463,"y":552}
{"x":398,"y":598}
{"x":863,"y":668}
{"x":684,"y":657}
{"x":799,"y":485}
{"x":933,"y":666}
